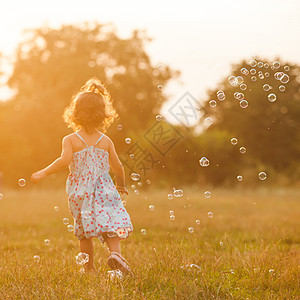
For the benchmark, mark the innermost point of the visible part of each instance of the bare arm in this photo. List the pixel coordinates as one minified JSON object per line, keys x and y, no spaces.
{"x":59,"y":164}
{"x":117,"y":168}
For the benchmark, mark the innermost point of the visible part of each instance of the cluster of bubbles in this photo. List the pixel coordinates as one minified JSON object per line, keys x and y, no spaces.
{"x":66,"y":222}
{"x":82,"y":258}
{"x":172,"y":215}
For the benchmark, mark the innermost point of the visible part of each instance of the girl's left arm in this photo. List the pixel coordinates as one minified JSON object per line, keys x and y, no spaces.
{"x":59,"y":164}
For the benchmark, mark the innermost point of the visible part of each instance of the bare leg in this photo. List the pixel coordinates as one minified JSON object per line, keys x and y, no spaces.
{"x":86,"y":246}
{"x":113,"y":243}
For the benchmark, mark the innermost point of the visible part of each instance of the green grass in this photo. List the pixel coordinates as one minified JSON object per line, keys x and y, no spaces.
{"x":260,"y":231}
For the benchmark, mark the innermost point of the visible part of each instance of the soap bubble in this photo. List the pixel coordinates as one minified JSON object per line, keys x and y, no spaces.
{"x":160,"y":87}
{"x":221,"y":96}
{"x":253,"y":63}
{"x":243,"y":86}
{"x":244,"y":71}
{"x":266,"y":65}
{"x":171,"y":212}
{"x":235,"y":95}
{"x":161,"y":66}
{"x":286,"y":68}
{"x":66,"y":221}
{"x":128,"y":140}
{"x":148,"y":181}
{"x":276,"y":64}
{"x":220,"y":92}
{"x":198,"y":222}
{"x":252,"y":71}
{"x":70,"y":228}
{"x":170,"y":196}
{"x":260,"y":64}
{"x":158,"y":118}
{"x":178,"y":193}
{"x":47,"y":242}
{"x":244,"y":104}
{"x":261,"y":76}
{"x":131,"y":155}
{"x":221,"y":244}
{"x":266,"y":87}
{"x":243,"y":150}
{"x":119,"y":127}
{"x":267,"y":74}
{"x":253,"y":78}
{"x":262,"y":175}
{"x":240,"y":96}
{"x":271,"y":271}
{"x":172,"y":217}
{"x":191,"y":230}
{"x":278,"y":75}
{"x":281,"y":88}
{"x":210,"y":215}
{"x":135,"y":176}
{"x":1,"y":196}
{"x":140,"y":183}
{"x":22,"y":182}
{"x":56,"y":208}
{"x":212,"y":103}
{"x":239,"y":178}
{"x":151,"y":207}
{"x":204,"y":162}
{"x":272,"y":97}
{"x":208,"y":121}
{"x":234,"y":141}
{"x":82,"y":258}
{"x":207,"y":194}
{"x":36,"y":259}
{"x":143,"y":231}
{"x":240,"y":79}
{"x":136,"y":192}
{"x":285,"y":78}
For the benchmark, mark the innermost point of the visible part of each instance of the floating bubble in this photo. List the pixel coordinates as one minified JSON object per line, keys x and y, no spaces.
{"x":285,"y":78}
{"x":124,"y":203}
{"x":172,"y":217}
{"x":252,"y":71}
{"x":47,"y":242}
{"x":148,"y":181}
{"x":115,"y":274}
{"x":212,"y":103}
{"x":133,"y":186}
{"x":204,"y":162}
{"x":22,"y":182}
{"x":111,"y":233}
{"x":36,"y":259}
{"x":56,"y":208}
{"x":266,"y":65}
{"x":170,"y":196}
{"x":82,"y":258}
{"x":234,"y":141}
{"x":278,"y":75}
{"x":207,"y":194}
{"x":239,"y":178}
{"x":235,"y":95}
{"x":266,"y":87}
{"x":160,"y":87}
{"x":66,"y":221}
{"x":286,"y":68}
{"x":171,"y":212}
{"x":221,"y":96}
{"x":243,"y":86}
{"x":191,"y":230}
{"x":131,"y":155}
{"x":158,"y":118}
{"x":272,"y":97}
{"x":267,"y":74}
{"x":253,"y":78}
{"x":240,"y":79}
{"x":276,"y":64}
{"x":240,"y":96}
{"x":244,"y":104}
{"x":143,"y":231}
{"x":220,"y":92}
{"x":198,"y":222}
{"x":253,"y":63}
{"x":232,"y":80}
{"x":178,"y":193}
{"x":70,"y":228}
{"x":161,"y":66}
{"x":1,"y":196}
{"x":262,"y":175}
{"x":128,"y":140}
{"x":151,"y":207}
{"x":136,"y":192}
{"x":221,"y":244}
{"x":271,"y":271}
{"x":244,"y":71}
{"x":140,"y":183}
{"x":135,"y":176}
{"x":210,"y":215}
{"x":261,"y":76}
{"x":260,"y":64}
{"x":208,"y":121}
{"x":281,"y":88}
{"x":119,"y":127}
{"x":243,"y":150}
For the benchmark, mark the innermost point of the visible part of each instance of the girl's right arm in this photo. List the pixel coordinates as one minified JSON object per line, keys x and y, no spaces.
{"x":59,"y":164}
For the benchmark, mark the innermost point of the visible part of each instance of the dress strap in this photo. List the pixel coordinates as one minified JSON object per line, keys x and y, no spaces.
{"x":81,"y":138}
{"x":99,"y":139}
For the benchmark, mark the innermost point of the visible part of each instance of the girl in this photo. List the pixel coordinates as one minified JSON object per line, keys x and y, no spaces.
{"x":94,"y":200}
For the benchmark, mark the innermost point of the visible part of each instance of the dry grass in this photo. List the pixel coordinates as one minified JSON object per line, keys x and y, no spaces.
{"x":256,"y":238}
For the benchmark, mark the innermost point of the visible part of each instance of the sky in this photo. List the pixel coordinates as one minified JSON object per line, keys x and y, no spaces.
{"x":202,"y":39}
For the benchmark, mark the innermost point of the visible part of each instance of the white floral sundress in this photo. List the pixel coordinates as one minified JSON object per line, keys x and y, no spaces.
{"x":93,"y":199}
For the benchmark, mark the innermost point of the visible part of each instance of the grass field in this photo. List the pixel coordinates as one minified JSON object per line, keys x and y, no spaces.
{"x":248,"y":250}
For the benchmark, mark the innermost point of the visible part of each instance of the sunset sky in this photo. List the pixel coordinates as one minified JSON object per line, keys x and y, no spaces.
{"x":199,"y":38}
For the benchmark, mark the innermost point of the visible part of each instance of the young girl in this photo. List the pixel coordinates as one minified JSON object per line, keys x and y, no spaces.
{"x":94,"y":200}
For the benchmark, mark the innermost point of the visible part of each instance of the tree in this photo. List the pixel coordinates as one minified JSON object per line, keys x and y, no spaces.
{"x":51,"y":65}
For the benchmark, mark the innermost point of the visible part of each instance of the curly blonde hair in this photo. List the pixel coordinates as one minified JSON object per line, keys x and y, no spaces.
{"x":91,"y":108}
